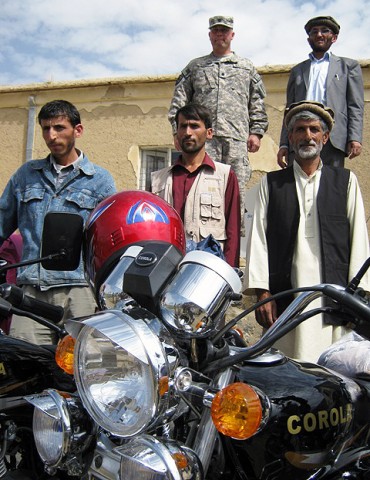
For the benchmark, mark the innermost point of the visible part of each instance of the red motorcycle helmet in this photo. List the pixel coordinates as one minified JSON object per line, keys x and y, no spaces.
{"x":127,"y":218}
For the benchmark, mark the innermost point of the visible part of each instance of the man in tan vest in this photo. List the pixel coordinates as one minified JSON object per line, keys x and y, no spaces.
{"x":205,"y":193}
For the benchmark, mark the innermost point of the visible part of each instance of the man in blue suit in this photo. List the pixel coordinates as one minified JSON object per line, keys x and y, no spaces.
{"x":334,"y":81}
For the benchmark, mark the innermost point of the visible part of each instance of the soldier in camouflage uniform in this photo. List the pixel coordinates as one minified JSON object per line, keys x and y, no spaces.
{"x":233,"y":91}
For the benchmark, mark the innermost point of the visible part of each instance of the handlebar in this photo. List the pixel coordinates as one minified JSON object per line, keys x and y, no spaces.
{"x":355,"y":303}
{"x":292,"y":316}
{"x":17,"y":298}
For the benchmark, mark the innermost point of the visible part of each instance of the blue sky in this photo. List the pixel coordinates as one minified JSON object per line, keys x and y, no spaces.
{"x":44,"y":40}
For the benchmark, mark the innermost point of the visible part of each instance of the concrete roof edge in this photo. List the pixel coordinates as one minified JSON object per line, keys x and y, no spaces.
{"x":265,"y":69}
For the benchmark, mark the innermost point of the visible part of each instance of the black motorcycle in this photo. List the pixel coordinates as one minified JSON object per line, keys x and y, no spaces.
{"x":176,"y":394}
{"x":26,"y":368}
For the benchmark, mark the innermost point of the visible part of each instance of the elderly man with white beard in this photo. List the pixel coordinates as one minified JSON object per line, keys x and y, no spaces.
{"x":309,"y":227}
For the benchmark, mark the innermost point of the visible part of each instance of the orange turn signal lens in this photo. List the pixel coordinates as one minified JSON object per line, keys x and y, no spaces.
{"x":64,"y":354}
{"x":163,"y":385}
{"x":180,"y":460}
{"x":237,"y":411}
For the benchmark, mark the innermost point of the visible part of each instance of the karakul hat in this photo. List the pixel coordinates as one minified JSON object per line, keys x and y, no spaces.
{"x":325,"y":113}
{"x":329,"y":22}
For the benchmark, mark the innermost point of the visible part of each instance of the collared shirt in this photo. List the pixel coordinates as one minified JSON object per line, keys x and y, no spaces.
{"x":63,"y":170}
{"x":182,"y":183}
{"x":316,"y":90}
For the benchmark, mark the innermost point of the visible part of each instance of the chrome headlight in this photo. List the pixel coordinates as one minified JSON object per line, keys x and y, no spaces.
{"x":196,"y":299}
{"x":122,"y":372}
{"x":61,"y":428}
{"x":149,"y":458}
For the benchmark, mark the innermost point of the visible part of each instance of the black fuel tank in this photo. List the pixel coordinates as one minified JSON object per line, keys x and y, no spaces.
{"x":311,"y":413}
{"x":25,"y":369}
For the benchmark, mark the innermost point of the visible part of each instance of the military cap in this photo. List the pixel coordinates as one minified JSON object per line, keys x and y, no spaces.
{"x":318,"y":108}
{"x":329,"y":22}
{"x":221,"y":20}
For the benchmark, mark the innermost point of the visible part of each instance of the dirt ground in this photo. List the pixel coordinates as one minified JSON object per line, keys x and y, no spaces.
{"x":251,"y":330}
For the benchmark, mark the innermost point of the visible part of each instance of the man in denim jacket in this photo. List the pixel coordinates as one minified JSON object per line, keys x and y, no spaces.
{"x":64,"y":181}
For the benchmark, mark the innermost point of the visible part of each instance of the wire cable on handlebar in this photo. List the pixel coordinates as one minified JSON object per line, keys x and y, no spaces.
{"x":263,"y":344}
{"x":249,"y":310}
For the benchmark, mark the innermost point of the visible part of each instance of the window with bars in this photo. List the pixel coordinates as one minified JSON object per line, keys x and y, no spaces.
{"x":153,"y":159}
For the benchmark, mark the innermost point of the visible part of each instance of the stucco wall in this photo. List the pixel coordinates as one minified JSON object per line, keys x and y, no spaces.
{"x":123,"y":114}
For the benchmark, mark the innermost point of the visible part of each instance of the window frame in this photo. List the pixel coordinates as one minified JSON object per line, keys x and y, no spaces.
{"x":169,"y":156}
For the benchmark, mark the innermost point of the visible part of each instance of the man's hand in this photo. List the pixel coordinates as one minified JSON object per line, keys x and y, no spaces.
{"x":267,"y":313}
{"x":282,"y":157}
{"x":253,"y":143}
{"x":353,"y":149}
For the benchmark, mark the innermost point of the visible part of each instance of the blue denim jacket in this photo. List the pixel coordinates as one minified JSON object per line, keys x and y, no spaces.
{"x":32,"y":192}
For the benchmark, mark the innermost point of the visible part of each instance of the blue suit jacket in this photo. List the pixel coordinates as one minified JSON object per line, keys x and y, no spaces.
{"x":344,"y":94}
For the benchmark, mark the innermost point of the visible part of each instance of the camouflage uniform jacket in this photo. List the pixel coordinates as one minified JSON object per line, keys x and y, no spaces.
{"x":231,"y":88}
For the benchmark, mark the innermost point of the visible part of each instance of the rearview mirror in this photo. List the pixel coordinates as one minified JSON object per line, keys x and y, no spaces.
{"x":62,"y":233}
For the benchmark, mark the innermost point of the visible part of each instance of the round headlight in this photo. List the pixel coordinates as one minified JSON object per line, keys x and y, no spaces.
{"x":61,"y":429}
{"x":50,"y":436}
{"x":120,"y":368}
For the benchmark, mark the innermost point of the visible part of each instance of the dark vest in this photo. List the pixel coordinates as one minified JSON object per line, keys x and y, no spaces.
{"x":283,"y":221}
